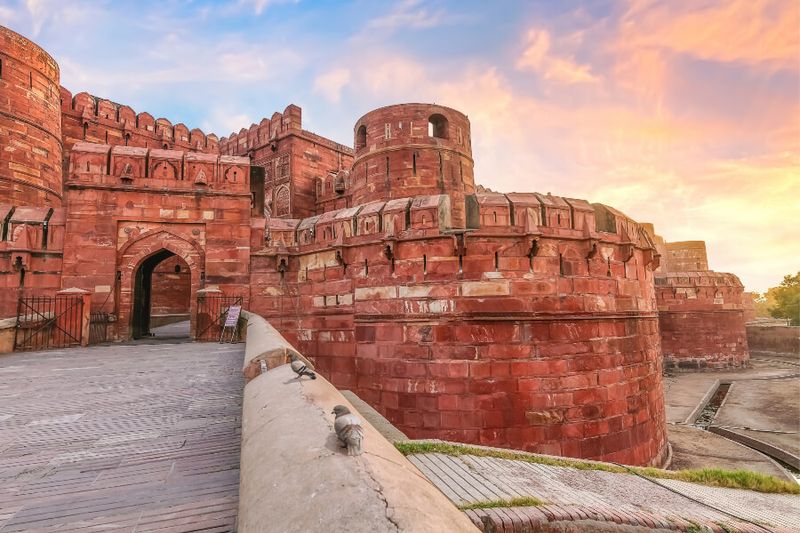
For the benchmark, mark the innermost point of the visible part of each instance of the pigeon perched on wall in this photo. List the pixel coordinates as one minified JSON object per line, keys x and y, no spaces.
{"x":348,"y":429}
{"x":301,"y":369}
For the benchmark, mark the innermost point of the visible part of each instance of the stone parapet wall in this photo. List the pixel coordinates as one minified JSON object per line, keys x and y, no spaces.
{"x":523,"y":335}
{"x":379,"y":490}
{"x":30,"y":124}
{"x":701,"y":317}
{"x":88,"y":118}
{"x":783,"y":339}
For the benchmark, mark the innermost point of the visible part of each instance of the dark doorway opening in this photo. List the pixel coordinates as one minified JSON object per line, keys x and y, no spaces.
{"x":257,"y":175}
{"x":161,"y":297}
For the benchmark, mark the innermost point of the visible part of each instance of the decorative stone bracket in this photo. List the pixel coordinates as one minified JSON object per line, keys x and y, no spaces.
{"x":534,"y":249}
{"x":388,"y":248}
{"x":592,"y":249}
{"x":340,"y":257}
{"x":627,"y":249}
{"x":652,"y":258}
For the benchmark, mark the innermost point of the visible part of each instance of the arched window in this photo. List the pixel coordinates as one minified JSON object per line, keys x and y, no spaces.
{"x":361,"y":137}
{"x":437,"y":126}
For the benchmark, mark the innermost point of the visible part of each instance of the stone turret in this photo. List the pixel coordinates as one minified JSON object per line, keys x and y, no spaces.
{"x":30,"y":124}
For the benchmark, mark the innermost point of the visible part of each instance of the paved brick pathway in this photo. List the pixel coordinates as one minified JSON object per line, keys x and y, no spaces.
{"x":571,"y":495}
{"x":122,"y":438}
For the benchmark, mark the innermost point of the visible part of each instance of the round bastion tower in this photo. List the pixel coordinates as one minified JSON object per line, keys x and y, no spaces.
{"x":30,"y":123}
{"x":409,"y":150}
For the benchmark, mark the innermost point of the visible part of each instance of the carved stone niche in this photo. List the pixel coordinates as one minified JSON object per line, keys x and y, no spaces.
{"x":200,"y":178}
{"x":126,"y":175}
{"x":341,"y":181}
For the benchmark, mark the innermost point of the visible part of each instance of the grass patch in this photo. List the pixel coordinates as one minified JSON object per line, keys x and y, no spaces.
{"x":526,"y":501}
{"x":715,"y":477}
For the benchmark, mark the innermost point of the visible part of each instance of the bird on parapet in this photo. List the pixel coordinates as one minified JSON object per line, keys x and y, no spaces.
{"x":348,"y":430}
{"x":300,"y":368}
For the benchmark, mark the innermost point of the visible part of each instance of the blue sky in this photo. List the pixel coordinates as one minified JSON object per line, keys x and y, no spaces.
{"x":684,"y":114}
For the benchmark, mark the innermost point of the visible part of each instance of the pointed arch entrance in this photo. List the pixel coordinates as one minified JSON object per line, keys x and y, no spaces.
{"x":136,"y":262}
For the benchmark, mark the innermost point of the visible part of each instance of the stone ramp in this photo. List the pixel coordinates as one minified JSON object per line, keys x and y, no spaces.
{"x":121,"y":438}
{"x":578,"y":495}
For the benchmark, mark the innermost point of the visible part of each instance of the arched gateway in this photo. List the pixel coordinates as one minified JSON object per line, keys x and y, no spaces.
{"x":136,"y":262}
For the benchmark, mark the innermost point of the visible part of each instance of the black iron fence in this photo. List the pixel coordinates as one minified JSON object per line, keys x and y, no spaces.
{"x":98,"y":326}
{"x":48,"y":322}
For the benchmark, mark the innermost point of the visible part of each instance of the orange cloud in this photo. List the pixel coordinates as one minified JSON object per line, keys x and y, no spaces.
{"x":538,"y":57}
{"x":761,"y":32}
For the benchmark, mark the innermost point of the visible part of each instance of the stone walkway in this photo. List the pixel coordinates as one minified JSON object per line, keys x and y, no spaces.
{"x":121,"y":438}
{"x":575,"y":495}
{"x":763,"y":398}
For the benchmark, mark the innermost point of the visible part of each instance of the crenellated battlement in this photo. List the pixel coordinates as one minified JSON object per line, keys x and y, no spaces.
{"x":491,"y":214}
{"x":270,"y":130}
{"x":465,"y":333}
{"x":88,"y":118}
{"x":701,"y":318}
{"x":128,"y":166}
{"x":699,"y":291}
{"x":266,"y":131}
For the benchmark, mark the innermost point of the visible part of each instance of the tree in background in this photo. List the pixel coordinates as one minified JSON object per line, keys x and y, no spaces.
{"x":762,"y":301}
{"x":787,"y":299}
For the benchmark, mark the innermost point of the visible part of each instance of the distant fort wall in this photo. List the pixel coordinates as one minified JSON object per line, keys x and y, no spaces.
{"x":702,"y":319}
{"x":702,"y":313}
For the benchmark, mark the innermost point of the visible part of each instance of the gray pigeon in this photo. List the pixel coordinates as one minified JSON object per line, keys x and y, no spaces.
{"x":348,"y":429}
{"x":301,"y":369}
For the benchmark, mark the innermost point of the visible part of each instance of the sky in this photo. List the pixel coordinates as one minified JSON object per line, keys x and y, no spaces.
{"x":683,"y":113}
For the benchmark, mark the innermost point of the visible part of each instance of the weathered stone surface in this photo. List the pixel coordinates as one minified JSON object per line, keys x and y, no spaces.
{"x":456,"y":312}
{"x":701,"y":318}
{"x":30,"y":124}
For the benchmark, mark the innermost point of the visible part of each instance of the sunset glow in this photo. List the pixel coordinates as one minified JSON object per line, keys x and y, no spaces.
{"x":683,"y":114}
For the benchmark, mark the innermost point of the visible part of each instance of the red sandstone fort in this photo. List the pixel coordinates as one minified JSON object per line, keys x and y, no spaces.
{"x":521,"y":320}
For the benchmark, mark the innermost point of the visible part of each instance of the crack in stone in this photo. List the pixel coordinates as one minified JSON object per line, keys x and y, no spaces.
{"x":379,"y":490}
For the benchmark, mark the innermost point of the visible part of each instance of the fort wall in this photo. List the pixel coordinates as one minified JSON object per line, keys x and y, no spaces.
{"x":171,"y":288}
{"x":30,"y":124}
{"x":701,"y":317}
{"x":702,"y":313}
{"x":88,"y":118}
{"x":527,"y":321}
{"x":127,"y":204}
{"x":686,"y":256}
{"x":294,"y":163}
{"x":536,"y":331}
{"x":31,"y":244}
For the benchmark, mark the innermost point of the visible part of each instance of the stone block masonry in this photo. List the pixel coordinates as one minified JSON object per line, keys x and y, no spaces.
{"x":520,"y":320}
{"x":539,"y":335}
{"x":702,"y":313}
{"x":30,"y":124}
{"x":701,"y":316}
